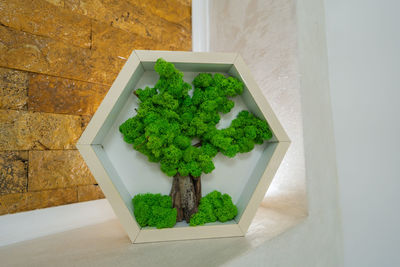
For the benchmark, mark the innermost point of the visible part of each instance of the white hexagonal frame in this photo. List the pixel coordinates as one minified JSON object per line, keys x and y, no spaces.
{"x":91,"y":146}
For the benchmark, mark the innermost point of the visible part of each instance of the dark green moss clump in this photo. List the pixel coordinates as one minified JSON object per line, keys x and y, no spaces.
{"x":154,"y":210}
{"x":214,"y":206}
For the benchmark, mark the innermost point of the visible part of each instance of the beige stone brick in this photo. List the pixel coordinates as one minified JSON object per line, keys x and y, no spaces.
{"x":23,"y":51}
{"x":42,"y":18}
{"x":119,"y":43}
{"x":14,"y":130}
{"x":13,"y":172}
{"x":13,"y":89}
{"x":60,"y":95}
{"x":52,"y":169}
{"x":175,"y":11}
{"x":89,"y":192}
{"x":59,"y":3}
{"x":13,"y":203}
{"x":85,"y":121}
{"x":171,"y":32}
{"x":22,"y":130}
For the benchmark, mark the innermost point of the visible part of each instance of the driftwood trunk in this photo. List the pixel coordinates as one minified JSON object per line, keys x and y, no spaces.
{"x":185,"y":194}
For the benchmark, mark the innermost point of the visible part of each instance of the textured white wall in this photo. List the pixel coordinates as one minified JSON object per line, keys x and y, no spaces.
{"x":364,"y":70}
{"x":283,"y":42}
{"x":264,"y":33}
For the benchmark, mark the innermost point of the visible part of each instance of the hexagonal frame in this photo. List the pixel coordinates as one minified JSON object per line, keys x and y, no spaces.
{"x":89,"y":145}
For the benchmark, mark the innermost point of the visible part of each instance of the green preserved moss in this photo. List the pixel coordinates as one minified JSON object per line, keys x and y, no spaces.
{"x":214,"y":207}
{"x":168,"y":119}
{"x":154,"y":210}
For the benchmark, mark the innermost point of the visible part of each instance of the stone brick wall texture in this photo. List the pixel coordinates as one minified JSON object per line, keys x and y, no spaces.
{"x":58,"y":59}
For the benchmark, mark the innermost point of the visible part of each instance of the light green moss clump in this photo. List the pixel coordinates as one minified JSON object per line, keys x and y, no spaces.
{"x":214,"y":206}
{"x":154,"y":210}
{"x":168,"y":119}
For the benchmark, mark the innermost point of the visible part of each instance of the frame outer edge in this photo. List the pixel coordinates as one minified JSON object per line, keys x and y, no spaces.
{"x":188,"y":233}
{"x":111,"y":193}
{"x":138,"y":235}
{"x":109,"y":100}
{"x":186,"y":57}
{"x":262,"y":186}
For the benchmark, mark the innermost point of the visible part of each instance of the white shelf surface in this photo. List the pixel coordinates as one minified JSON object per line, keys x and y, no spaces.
{"x":106,"y":244}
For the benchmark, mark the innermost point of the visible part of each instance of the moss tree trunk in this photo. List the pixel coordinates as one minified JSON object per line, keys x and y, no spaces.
{"x":186,"y":194}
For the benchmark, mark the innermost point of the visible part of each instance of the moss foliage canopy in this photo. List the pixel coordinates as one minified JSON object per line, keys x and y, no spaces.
{"x":214,"y":206}
{"x":168,"y":119}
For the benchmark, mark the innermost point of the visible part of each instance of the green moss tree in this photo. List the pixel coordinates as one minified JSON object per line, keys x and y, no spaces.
{"x":178,"y":130}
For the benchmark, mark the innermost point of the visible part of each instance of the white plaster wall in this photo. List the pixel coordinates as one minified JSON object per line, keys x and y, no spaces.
{"x":281,"y":40}
{"x":364,"y":71}
{"x":264,"y":33}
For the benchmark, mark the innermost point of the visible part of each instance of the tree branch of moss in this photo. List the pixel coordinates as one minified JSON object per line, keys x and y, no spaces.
{"x":197,"y":144}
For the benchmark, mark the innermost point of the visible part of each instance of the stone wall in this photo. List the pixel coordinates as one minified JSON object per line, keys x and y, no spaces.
{"x":58,"y":59}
